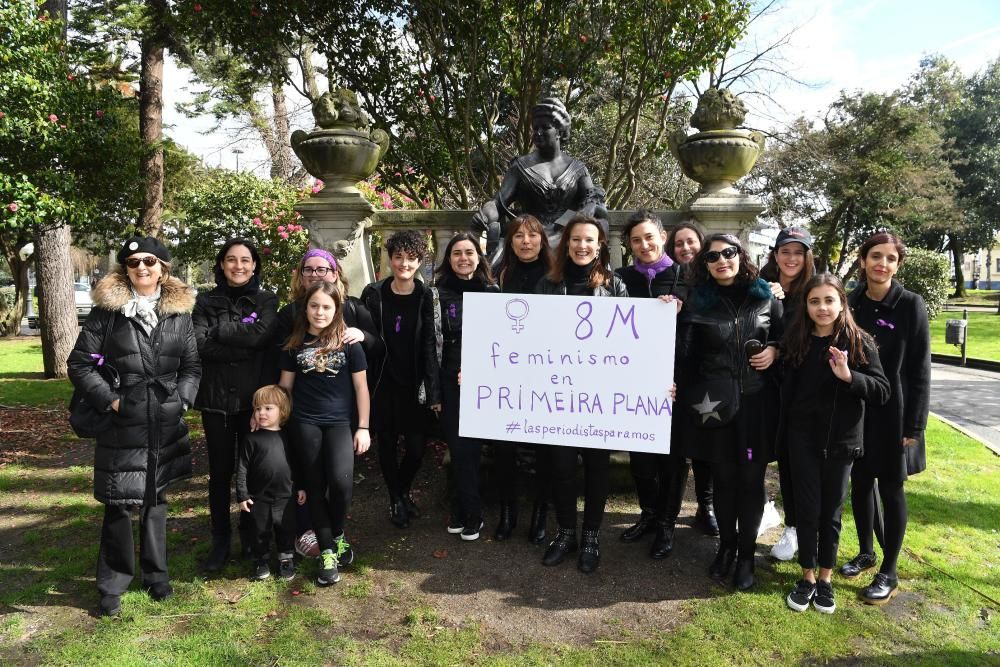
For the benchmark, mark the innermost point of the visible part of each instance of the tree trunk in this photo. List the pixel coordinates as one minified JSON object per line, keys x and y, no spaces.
{"x":282,"y":163}
{"x":56,"y":301}
{"x":151,"y":125}
{"x":956,"y":253}
{"x":10,"y":323}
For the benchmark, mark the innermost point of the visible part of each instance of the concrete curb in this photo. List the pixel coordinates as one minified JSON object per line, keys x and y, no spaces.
{"x":966,"y":432}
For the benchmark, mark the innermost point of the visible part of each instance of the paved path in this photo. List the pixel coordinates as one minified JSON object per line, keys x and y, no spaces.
{"x":969,"y":398}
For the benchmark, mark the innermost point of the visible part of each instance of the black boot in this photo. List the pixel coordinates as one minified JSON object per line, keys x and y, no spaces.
{"x":663,"y":543}
{"x":635,"y":532}
{"x":590,"y":552}
{"x":398,"y":514}
{"x":536,"y":531}
{"x":704,"y":518}
{"x":412,"y":510}
{"x":743,"y":576}
{"x":723,"y":563}
{"x":563,"y":544}
{"x":506,"y":523}
{"x":219,"y":554}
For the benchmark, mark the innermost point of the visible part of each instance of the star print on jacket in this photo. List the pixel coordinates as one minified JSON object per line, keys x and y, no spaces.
{"x":707,"y":409}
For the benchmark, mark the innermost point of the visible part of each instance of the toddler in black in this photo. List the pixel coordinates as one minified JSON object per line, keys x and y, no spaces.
{"x":265,"y":482}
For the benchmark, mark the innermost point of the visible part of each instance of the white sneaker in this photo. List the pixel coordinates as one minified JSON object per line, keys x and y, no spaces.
{"x":787,"y":545}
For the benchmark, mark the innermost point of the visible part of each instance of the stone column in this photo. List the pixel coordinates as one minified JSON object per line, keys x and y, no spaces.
{"x":339,"y":221}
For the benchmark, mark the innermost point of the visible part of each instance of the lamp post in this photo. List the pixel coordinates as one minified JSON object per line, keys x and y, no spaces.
{"x":237,"y":152}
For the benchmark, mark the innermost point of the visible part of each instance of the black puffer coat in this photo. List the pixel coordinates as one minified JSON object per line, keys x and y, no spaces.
{"x":233,"y":354}
{"x":147,"y":447}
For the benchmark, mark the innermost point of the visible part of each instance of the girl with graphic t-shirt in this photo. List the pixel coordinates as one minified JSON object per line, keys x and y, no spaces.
{"x":327,"y":380}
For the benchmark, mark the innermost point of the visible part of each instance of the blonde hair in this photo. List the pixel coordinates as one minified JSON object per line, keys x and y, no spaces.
{"x":272,"y":394}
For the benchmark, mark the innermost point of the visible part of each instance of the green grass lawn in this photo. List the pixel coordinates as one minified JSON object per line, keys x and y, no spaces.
{"x":983,"y":335}
{"x":977,"y":297}
{"x":946,"y":613}
{"x":20,"y":357}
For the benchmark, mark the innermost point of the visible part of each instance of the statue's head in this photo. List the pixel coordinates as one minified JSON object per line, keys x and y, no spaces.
{"x":553,"y":110}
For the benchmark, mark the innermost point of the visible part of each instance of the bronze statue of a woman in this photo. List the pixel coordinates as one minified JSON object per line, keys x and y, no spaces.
{"x":547,"y":183}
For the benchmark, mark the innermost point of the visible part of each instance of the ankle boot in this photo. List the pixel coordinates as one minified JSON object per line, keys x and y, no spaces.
{"x":590,"y":552}
{"x":663,"y":543}
{"x":723,"y":563}
{"x":398,"y":514}
{"x":219,"y":554}
{"x":536,"y":531}
{"x":506,"y":523}
{"x":705,"y":519}
{"x":743,"y":576}
{"x":412,"y":511}
{"x":635,"y":532}
{"x":563,"y":544}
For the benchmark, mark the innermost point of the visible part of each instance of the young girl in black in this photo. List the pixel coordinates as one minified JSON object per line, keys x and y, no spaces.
{"x":327,"y":380}
{"x":832,"y":370}
{"x":525,"y":260}
{"x":399,"y":306}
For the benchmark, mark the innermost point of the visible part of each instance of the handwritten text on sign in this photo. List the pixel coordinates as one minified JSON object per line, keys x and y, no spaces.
{"x":567,"y":370}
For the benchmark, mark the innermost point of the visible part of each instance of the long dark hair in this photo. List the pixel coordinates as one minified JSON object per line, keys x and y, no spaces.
{"x":444,"y":269}
{"x":771,"y":272}
{"x":332,"y":336}
{"x":845,"y":329}
{"x":747,"y":273}
{"x":672,"y":235}
{"x":600,"y":274}
{"x":529,"y":223}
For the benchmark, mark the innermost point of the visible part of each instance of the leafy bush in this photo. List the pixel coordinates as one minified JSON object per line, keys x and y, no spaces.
{"x":927,"y":274}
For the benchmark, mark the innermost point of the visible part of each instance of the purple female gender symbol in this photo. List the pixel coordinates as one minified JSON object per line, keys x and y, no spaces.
{"x":517,"y":310}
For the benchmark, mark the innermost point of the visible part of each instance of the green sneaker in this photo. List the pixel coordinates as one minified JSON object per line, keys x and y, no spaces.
{"x":328,"y":573}
{"x":345,"y":554}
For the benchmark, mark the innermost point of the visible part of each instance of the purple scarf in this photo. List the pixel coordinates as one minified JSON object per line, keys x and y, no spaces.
{"x":650,"y":270}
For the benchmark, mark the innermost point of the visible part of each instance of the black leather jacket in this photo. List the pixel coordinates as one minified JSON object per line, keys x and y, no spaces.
{"x":614,"y":288}
{"x":712,"y":332}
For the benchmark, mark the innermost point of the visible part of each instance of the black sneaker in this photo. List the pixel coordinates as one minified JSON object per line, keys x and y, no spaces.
{"x":857,"y":565}
{"x":111,"y":605}
{"x":801,"y":596}
{"x":471,"y":530}
{"x":286,"y":569}
{"x":160,"y":591}
{"x":343,"y":550}
{"x":328,"y":572}
{"x":823,"y":600}
{"x":261,"y":570}
{"x":455,"y":526}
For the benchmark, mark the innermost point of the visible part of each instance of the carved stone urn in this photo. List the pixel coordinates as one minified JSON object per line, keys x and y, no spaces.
{"x":343,"y":149}
{"x":719,"y":154}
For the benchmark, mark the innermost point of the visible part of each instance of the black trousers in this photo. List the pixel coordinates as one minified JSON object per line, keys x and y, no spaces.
{"x":739,"y":497}
{"x":277,"y":517}
{"x":787,"y":489}
{"x":116,"y":556}
{"x":398,"y":474}
{"x":326,"y":457}
{"x":894,"y":515}
{"x":222,"y":438}
{"x":820,"y":491}
{"x":466,"y":453}
{"x":702,"y":482}
{"x":596,"y":463}
{"x":660,"y":481}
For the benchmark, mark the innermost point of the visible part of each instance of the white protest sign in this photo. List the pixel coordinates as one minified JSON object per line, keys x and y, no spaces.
{"x":568,"y":370}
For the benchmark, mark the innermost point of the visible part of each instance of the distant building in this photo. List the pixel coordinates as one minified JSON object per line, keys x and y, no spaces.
{"x":982,"y":268}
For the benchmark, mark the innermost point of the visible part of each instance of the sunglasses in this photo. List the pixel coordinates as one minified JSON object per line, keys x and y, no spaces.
{"x":134,"y":262}
{"x":715,"y":255}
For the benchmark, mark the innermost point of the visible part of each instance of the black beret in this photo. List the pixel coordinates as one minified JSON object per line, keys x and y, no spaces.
{"x":143,"y":244}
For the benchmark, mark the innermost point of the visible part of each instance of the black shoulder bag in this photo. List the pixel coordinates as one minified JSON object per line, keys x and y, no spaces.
{"x":86,"y":420}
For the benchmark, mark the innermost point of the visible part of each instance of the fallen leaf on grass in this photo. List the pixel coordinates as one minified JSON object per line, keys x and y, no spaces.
{"x":440,"y":553}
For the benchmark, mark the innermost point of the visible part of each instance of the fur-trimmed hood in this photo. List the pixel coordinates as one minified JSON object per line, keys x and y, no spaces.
{"x":114,"y":291}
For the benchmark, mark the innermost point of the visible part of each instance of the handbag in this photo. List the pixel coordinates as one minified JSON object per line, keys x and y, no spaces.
{"x":86,"y":420}
{"x":713,"y":402}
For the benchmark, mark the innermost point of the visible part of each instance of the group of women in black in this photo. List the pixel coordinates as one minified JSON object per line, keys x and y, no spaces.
{"x":831,"y":395}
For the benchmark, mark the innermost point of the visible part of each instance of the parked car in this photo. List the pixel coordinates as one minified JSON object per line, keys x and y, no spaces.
{"x":81,"y":295}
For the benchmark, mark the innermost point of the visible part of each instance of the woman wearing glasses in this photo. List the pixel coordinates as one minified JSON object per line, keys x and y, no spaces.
{"x":728,"y":336}
{"x":140,"y":327}
{"x":319,"y":266}
{"x":231,"y":324}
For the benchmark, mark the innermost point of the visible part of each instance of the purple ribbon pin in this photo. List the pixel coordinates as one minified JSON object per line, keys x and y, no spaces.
{"x":98,"y":359}
{"x":885,"y":323}
{"x":452,"y":311}
{"x":249,"y":319}
{"x":399,"y":318}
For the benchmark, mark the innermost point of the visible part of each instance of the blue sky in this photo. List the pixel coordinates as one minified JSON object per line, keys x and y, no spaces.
{"x":840,"y":44}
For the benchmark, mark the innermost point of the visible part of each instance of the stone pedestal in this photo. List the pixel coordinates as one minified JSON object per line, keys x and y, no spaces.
{"x":730,"y":213}
{"x":340,"y":221}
